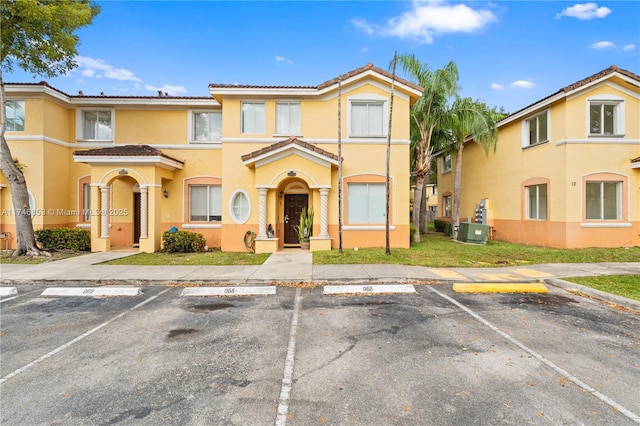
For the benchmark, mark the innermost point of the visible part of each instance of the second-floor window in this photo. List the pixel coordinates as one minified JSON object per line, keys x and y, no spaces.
{"x":603,"y":118}
{"x":207,"y":126}
{"x":253,"y":117}
{"x":15,"y":116}
{"x":97,"y":124}
{"x":367,"y":118}
{"x":446,"y":163}
{"x":537,"y":129}
{"x":288,"y":118}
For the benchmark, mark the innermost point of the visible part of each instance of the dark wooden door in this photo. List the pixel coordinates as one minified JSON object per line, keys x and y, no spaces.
{"x":293,"y":205}
{"x":136,"y":218}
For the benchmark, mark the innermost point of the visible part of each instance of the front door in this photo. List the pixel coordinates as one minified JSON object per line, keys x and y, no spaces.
{"x":136,"y":218}
{"x":293,"y":205}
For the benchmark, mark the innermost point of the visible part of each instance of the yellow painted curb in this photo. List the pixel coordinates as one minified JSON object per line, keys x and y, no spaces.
{"x":500,"y":288}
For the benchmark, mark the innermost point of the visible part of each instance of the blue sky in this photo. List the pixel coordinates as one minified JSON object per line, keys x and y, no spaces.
{"x":509,"y":53}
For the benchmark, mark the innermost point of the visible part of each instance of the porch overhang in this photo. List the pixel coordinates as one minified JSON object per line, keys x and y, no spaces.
{"x":282,"y":149}
{"x":128,"y":155}
{"x":635,"y":163}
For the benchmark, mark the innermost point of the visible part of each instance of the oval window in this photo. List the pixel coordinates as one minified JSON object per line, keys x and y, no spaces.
{"x":240,"y":207}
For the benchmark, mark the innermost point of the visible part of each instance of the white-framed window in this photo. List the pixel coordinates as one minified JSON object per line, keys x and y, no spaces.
{"x":446,"y":163}
{"x":15,"y":115}
{"x":205,"y":203}
{"x":205,"y":126}
{"x":240,"y":207}
{"x":288,"y":118}
{"x":536,"y":129}
{"x":367,"y":115}
{"x":604,"y":118}
{"x":95,"y":124}
{"x":537,"y":202}
{"x":446,"y":206}
{"x":253,"y":117}
{"x":603,"y":200}
{"x":366,"y":203}
{"x":86,"y":202}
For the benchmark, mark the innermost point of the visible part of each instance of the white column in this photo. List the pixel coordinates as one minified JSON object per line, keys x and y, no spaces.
{"x":324,"y":217}
{"x":143,"y":212}
{"x":104,"y":211}
{"x":262,"y":212}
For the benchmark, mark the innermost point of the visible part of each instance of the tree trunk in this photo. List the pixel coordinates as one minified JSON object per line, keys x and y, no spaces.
{"x":417,"y":203}
{"x":424,"y":217}
{"x":456,"y":191}
{"x":19,"y":195}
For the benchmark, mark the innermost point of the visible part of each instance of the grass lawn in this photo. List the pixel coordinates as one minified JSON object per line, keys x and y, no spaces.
{"x":622,"y":285}
{"x":207,"y":258}
{"x":5,"y":257}
{"x":436,"y":250}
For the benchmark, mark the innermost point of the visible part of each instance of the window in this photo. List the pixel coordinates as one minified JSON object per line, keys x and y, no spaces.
{"x":446,"y":206}
{"x":240,"y":207}
{"x":603,"y":118}
{"x":86,"y":203}
{"x":446,"y":163}
{"x":15,"y":116}
{"x":367,"y":118}
{"x":253,"y":117}
{"x":207,"y":126}
{"x":205,"y":203}
{"x":537,"y":129}
{"x":96,"y":124}
{"x":603,"y":200}
{"x":288,"y":118}
{"x":367,"y":203}
{"x":537,"y":202}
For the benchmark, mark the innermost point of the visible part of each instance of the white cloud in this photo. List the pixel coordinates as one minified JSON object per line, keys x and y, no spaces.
{"x":283,"y":59}
{"x":496,"y":86}
{"x":98,"y":68}
{"x":629,"y":47}
{"x":603,"y":45}
{"x":364,"y":49}
{"x":523,"y":84}
{"x":167,"y":88}
{"x":585,"y":12}
{"x":425,"y":20}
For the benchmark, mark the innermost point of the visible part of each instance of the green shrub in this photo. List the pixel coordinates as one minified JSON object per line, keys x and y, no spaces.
{"x":183,"y":242}
{"x":439,"y":225}
{"x":64,"y":239}
{"x":412,"y":233}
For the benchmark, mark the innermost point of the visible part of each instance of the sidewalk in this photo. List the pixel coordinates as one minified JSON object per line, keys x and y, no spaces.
{"x":286,"y":267}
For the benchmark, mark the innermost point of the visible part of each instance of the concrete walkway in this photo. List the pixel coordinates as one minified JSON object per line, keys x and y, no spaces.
{"x":293,"y":266}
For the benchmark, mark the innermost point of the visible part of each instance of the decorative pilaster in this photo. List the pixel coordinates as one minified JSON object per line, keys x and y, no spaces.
{"x":104,"y":211}
{"x":144,"y":214}
{"x":262,"y":212}
{"x":324,"y":217}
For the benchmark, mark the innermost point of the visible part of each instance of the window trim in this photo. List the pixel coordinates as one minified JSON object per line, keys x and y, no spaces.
{"x":623,"y":202}
{"x":80,"y":124}
{"x":619,"y":115}
{"x":289,"y":133}
{"x":264,"y":124}
{"x":525,"y":128}
{"x":232,"y":213}
{"x":24,"y":115}
{"x":368,"y":98}
{"x":191,"y":123}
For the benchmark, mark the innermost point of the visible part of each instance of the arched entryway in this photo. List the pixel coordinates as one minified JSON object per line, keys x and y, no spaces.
{"x":295,"y":198}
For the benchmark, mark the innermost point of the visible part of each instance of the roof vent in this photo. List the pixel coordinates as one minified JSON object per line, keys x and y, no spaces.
{"x":80,"y":93}
{"x":160,"y":93}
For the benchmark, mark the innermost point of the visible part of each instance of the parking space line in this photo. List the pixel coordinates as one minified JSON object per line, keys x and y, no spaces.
{"x":79,"y":338}
{"x":541,"y":358}
{"x":8,"y":298}
{"x":285,"y":391}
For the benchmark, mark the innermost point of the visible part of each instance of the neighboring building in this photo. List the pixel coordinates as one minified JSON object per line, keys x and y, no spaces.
{"x":248,"y":158}
{"x":566,"y":172}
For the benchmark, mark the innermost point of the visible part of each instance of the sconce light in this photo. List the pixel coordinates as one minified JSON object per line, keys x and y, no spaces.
{"x":281,"y":194}
{"x":165,"y":193}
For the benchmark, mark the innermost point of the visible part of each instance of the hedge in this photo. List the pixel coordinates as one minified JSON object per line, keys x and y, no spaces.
{"x":183,"y":242}
{"x":64,"y":239}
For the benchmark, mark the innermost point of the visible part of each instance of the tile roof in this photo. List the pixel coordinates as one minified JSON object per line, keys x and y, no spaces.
{"x":126,"y":151}
{"x":636,"y":160}
{"x":612,"y":69}
{"x":291,"y":141}
{"x":326,"y":84}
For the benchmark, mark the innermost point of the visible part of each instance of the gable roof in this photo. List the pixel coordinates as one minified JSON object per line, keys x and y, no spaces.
{"x":566,"y":90}
{"x":291,"y":144}
{"x":127,"y":154}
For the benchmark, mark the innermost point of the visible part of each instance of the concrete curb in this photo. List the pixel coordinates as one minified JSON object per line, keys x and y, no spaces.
{"x":597,"y":294}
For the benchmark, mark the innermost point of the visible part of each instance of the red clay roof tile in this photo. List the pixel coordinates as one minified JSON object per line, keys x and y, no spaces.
{"x":126,"y":151}
{"x":291,"y":140}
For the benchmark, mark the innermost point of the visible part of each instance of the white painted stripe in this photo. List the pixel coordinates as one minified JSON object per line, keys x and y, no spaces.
{"x":542,"y":359}
{"x":228,"y":291}
{"x":79,"y":338}
{"x":9,"y":298}
{"x":369,"y":289}
{"x":91,"y":291}
{"x":8,"y":291}
{"x":285,"y":391}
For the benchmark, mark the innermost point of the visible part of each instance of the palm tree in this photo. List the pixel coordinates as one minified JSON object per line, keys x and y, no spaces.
{"x":469,"y":120}
{"x":426,"y":113}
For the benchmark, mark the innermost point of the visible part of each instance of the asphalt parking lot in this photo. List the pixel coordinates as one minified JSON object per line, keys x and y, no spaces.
{"x":301,"y":357}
